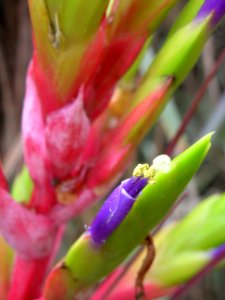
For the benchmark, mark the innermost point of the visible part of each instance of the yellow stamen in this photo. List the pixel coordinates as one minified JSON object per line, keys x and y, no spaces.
{"x":145,"y":171}
{"x":160,"y":164}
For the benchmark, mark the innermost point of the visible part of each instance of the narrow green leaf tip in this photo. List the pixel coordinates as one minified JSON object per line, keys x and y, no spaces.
{"x":22,"y":186}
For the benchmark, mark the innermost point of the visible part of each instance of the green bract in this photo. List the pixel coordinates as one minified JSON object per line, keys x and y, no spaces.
{"x":187,"y":15}
{"x":87,"y":264}
{"x":22,"y":186}
{"x":184,"y":248}
{"x":63,"y":30}
{"x":176,"y":58}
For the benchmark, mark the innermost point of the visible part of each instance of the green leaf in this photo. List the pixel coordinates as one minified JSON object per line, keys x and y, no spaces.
{"x":186,"y":16}
{"x":78,"y":19}
{"x":187,"y":246}
{"x":169,"y":271}
{"x":22,"y":186}
{"x":176,"y":58}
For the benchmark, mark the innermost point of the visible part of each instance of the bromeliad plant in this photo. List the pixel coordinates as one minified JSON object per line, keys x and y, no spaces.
{"x":81,"y":126}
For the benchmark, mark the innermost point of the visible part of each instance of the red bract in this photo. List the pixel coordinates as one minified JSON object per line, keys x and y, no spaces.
{"x":71,"y":80}
{"x":30,"y":234}
{"x":3,"y":181}
{"x":66,"y":134}
{"x":67,"y":150}
{"x":118,"y":56}
{"x":120,"y":143}
{"x":35,"y":151}
{"x":127,"y":28}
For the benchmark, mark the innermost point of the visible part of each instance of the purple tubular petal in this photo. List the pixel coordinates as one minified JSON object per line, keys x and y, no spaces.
{"x":217,"y":7}
{"x":115,"y":209}
{"x":134,"y":185}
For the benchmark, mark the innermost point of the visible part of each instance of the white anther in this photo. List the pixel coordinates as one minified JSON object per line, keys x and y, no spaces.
{"x":162,"y":163}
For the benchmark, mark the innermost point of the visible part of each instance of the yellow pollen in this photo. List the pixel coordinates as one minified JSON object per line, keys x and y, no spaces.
{"x":145,"y":171}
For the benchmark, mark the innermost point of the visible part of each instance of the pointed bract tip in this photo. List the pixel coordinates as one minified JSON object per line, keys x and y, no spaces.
{"x":207,"y":138}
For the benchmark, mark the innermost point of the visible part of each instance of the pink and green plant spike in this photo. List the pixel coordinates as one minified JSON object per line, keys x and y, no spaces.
{"x":76,"y":147}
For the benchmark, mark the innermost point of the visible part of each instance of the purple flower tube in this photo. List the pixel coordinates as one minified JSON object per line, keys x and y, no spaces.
{"x":214,"y":7}
{"x":115,"y":209}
